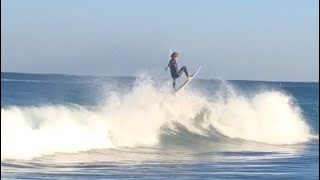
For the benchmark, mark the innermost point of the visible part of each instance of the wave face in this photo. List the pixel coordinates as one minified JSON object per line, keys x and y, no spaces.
{"x":148,"y":114}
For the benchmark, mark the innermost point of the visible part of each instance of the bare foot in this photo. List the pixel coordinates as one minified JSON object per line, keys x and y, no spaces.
{"x":189,"y":78}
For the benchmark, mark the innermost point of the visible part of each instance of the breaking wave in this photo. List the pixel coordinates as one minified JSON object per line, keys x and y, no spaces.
{"x":147,"y":114}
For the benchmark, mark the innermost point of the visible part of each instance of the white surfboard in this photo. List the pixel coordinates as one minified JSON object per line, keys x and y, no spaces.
{"x":187,"y":82}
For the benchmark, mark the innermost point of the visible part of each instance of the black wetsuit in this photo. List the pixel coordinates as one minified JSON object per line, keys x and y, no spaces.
{"x":175,"y":73}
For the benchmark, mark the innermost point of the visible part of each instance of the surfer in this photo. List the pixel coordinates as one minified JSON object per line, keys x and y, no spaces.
{"x":175,"y":73}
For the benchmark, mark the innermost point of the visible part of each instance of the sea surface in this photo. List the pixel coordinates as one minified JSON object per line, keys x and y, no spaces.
{"x":93,"y":127}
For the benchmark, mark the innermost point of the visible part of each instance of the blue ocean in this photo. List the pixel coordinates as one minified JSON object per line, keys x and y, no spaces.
{"x":94,"y":127}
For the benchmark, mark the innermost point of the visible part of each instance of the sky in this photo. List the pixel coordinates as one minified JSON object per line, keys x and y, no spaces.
{"x":272,"y":40}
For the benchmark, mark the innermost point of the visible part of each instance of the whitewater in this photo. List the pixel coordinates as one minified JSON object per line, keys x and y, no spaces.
{"x":138,"y":118}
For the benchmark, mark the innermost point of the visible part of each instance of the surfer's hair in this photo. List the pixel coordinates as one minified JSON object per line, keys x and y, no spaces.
{"x":174,"y":54}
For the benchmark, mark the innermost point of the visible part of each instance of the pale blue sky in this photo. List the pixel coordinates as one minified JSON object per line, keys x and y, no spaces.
{"x":231,"y":39}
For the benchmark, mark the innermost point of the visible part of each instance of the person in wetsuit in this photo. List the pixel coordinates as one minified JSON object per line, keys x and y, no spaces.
{"x":175,"y":73}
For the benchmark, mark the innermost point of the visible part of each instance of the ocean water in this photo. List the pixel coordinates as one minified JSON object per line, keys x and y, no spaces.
{"x":87,"y":127}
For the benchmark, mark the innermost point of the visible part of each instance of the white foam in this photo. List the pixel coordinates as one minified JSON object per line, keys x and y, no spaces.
{"x":268,"y":117}
{"x":30,"y":132}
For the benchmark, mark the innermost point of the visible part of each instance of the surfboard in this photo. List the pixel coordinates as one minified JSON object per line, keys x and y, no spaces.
{"x":187,"y":81}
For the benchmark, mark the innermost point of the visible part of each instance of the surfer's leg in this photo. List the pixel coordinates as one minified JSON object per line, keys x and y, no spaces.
{"x":174,"y":83}
{"x":183,"y":69}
